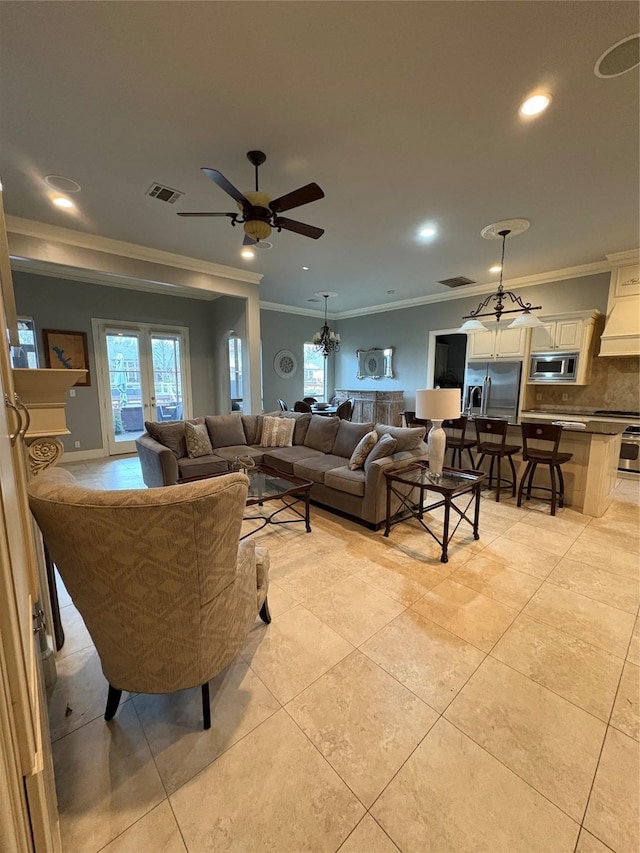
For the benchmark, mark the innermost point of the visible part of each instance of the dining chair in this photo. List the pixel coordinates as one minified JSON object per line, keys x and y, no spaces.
{"x":283,"y":406}
{"x":309,"y":400}
{"x":345,"y":410}
{"x":301,"y":406}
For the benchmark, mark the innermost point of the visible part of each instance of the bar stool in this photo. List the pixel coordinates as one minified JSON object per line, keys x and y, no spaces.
{"x":533,"y":456}
{"x":457,"y":441}
{"x":486,"y":429}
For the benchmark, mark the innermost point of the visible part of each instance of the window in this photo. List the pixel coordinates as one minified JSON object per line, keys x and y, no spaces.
{"x":315,"y":365}
{"x":25,"y":355}
{"x":235,"y":372}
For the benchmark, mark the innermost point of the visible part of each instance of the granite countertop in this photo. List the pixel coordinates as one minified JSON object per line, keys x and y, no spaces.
{"x":599,"y":428}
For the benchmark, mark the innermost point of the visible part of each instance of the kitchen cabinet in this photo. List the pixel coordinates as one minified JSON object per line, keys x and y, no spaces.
{"x":561,"y":334}
{"x":621,"y":335}
{"x":498,"y":343}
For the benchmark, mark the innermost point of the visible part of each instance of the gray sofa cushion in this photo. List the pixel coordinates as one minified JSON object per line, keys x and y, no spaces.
{"x":321,"y":434}
{"x":349,"y":434}
{"x":315,"y":467}
{"x":346,"y":480}
{"x":302,"y":419}
{"x":408,"y":438}
{"x":225,"y":430}
{"x":203,"y":466}
{"x":284,"y":458}
{"x":386,"y":446}
{"x":252,"y":428}
{"x":171,"y":434}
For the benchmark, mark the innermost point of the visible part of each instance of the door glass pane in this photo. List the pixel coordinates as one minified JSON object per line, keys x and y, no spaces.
{"x":166,"y":356}
{"x":314,"y":372}
{"x":123,"y":352}
{"x":235,"y":373}
{"x":25,"y":355}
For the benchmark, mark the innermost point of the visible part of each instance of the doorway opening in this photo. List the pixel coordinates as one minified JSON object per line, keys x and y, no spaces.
{"x":450,"y":360}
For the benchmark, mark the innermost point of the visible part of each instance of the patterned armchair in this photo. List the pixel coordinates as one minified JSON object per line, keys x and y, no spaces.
{"x":167,"y":592}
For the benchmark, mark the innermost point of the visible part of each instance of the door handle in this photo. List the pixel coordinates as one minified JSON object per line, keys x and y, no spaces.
{"x":27,"y":416}
{"x":13,"y":436}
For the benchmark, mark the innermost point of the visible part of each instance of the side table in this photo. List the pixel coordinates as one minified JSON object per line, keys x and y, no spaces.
{"x":450,"y":485}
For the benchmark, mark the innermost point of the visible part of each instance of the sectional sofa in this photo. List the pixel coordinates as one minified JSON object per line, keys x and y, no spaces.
{"x":320,"y":450}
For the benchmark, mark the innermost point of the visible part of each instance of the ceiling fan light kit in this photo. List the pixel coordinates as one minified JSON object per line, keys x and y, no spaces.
{"x":526,"y":320}
{"x":259,"y":213}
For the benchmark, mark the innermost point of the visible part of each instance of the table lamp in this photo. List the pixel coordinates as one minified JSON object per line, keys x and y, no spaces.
{"x":437,"y":405}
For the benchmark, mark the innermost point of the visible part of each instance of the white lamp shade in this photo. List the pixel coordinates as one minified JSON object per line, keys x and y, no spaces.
{"x":472,"y":325}
{"x":438,"y":404}
{"x":526,"y":320}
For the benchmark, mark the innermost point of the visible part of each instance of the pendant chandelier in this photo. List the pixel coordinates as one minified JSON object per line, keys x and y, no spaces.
{"x":502,"y":298}
{"x":326,"y":340}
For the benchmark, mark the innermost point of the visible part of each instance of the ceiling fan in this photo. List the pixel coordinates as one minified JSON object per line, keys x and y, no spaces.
{"x":259,"y":213}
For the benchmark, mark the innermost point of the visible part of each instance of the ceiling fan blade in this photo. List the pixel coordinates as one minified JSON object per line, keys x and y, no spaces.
{"x":299,"y":227}
{"x":248,"y":241}
{"x":226,"y":185}
{"x":303,"y":195}
{"x":232,"y":215}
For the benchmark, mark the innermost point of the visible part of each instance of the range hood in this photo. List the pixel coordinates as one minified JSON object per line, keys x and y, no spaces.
{"x":621,"y":334}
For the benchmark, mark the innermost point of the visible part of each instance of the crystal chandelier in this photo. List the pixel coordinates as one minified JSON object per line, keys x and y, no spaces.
{"x":326,"y":340}
{"x":501,"y":297}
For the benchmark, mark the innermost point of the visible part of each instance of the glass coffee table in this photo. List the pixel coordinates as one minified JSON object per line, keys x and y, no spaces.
{"x":450,"y":485}
{"x":267,"y":485}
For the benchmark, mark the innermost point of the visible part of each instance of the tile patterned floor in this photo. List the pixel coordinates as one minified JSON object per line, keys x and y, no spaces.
{"x":394,"y":703}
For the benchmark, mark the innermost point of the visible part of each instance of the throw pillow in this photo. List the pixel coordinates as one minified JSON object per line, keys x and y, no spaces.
{"x":302,"y":421}
{"x":386,"y":446}
{"x":349,"y":434}
{"x":362,"y":449}
{"x":226,"y":430}
{"x":170,"y":434}
{"x":197,"y":439}
{"x":321,"y":434}
{"x":277,"y":432}
{"x":408,"y":438}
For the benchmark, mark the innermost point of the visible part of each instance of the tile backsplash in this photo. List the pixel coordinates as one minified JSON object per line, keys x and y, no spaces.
{"x":615,"y":384}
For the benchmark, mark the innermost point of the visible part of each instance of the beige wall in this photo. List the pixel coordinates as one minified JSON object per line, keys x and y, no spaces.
{"x":615,"y":384}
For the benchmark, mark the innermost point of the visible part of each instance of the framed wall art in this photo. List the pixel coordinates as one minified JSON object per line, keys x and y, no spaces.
{"x":67,"y":350}
{"x":285,"y":364}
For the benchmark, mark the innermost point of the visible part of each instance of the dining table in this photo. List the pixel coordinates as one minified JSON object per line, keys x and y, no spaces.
{"x":329,"y":411}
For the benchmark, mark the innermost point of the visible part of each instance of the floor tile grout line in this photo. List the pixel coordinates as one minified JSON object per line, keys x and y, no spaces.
{"x":591,"y":597}
{"x":604,"y":740}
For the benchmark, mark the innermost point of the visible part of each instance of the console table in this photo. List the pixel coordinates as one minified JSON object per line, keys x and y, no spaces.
{"x":380,"y":407}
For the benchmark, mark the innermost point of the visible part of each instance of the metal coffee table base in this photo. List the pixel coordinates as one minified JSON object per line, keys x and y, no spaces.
{"x":271,"y":519}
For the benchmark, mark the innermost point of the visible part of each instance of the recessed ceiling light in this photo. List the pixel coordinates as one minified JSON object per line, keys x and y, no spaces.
{"x":427,"y":231}
{"x":62,"y":184}
{"x":535,"y":105}
{"x":305,"y":268}
{"x":495,"y":268}
{"x":61,"y":201}
{"x":621,"y":57}
{"x":249,"y":254}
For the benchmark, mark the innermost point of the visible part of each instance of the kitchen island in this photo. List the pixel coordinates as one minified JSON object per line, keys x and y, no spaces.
{"x":590,"y":475}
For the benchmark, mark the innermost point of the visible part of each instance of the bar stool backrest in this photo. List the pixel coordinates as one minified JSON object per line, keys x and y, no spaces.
{"x":412,"y":420}
{"x":490,"y":428}
{"x":455,"y":428}
{"x":541,"y":432}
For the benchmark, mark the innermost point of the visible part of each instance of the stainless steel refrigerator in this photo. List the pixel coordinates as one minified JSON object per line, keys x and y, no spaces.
{"x":492,"y":389}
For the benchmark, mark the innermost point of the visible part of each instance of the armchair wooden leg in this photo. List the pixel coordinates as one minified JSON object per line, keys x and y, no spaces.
{"x":264,"y":612}
{"x":113,"y":700}
{"x":206,"y":707}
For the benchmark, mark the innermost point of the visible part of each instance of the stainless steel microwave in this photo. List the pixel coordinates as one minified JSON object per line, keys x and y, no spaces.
{"x":553,"y":367}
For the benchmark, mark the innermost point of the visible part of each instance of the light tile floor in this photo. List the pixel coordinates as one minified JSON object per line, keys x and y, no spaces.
{"x":394,"y":703}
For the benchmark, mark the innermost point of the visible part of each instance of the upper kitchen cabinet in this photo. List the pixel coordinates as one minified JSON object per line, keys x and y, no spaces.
{"x":568,"y":332}
{"x":498,"y":343}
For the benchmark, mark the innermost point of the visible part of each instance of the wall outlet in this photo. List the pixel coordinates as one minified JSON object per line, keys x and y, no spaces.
{"x":565,"y":397}
{"x":72,"y":392}
{"x":538,"y":396}
{"x":76,"y":444}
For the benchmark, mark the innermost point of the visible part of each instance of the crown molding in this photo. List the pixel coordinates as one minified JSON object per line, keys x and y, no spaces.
{"x":79,"y":239}
{"x":301,"y":312}
{"x":618,"y":259}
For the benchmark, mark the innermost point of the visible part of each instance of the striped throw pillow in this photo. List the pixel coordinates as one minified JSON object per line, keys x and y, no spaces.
{"x":277,"y":432}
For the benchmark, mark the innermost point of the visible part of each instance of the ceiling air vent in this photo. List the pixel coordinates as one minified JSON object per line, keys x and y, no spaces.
{"x":164,"y":193}
{"x":458,"y":281}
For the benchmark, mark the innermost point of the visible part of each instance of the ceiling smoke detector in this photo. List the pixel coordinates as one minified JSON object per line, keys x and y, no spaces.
{"x":619,"y":58}
{"x":164,"y":193}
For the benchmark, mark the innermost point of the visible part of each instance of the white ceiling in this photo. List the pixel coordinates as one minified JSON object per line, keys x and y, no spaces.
{"x":403,"y":112}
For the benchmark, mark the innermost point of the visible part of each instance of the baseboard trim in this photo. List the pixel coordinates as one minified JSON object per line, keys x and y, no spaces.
{"x":81,"y":455}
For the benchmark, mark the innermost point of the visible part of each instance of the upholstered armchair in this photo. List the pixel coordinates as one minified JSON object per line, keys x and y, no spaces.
{"x":166,"y":590}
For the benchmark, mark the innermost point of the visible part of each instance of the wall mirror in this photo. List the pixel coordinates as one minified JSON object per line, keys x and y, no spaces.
{"x":376,"y":363}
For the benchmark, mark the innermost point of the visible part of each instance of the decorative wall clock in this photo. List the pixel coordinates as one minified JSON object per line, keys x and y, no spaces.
{"x":285,"y":364}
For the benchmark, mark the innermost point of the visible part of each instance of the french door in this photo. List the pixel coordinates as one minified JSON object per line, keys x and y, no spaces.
{"x":143,"y":377}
